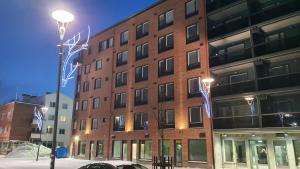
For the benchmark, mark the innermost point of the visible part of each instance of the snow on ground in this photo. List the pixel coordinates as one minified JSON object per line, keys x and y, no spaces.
{"x":29,"y":151}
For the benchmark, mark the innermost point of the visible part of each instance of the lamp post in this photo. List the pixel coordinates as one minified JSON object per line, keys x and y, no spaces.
{"x":207,"y":83}
{"x":44,"y":111}
{"x":63,"y":18}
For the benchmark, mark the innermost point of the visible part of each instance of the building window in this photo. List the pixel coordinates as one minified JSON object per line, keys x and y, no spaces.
{"x":167,"y":118}
{"x":85,"y":86}
{"x":166,"y":67}
{"x":87,"y":69}
{"x":140,"y":121}
{"x":297,"y":151}
{"x":94,"y":124}
{"x":141,"y":97}
{"x":81,"y":148}
{"x":77,"y":106}
{"x":49,"y":130}
{"x":100,"y":152}
{"x":116,"y":149}
{"x":141,"y":73}
{"x":166,"y":92}
{"x":166,"y":19}
{"x":193,"y":59}
{"x":78,"y":87}
{"x":108,"y":43}
{"x":84,"y":105}
{"x":197,"y":150}
{"x":166,"y":43}
{"x":122,"y":58}
{"x":61,"y":131}
{"x":165,"y":146}
{"x":98,"y":64}
{"x":191,"y":8}
{"x":97,"y":83}
{"x":142,"y":30}
{"x":195,"y":116}
{"x":96,"y":103}
{"x":142,"y":51}
{"x":64,"y":106}
{"x":281,"y":154}
{"x":124,"y":38}
{"x":145,"y":150}
{"x":119,"y":123}
{"x":82,"y":125}
{"x":228,"y":150}
{"x":194,"y":87}
{"x":63,"y":119}
{"x":52,"y":104}
{"x":51,"y":117}
{"x":192,"y":33}
{"x":120,"y":100}
{"x":240,"y":151}
{"x":121,"y":79}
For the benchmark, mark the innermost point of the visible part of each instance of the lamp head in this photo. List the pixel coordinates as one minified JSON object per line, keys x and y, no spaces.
{"x":62,"y":16}
{"x":44,"y":110}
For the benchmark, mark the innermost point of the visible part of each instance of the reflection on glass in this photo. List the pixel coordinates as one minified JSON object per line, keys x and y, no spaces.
{"x":259,"y":152}
{"x":280,"y":153}
{"x":228,"y":150}
{"x":297,"y":152}
{"x":240,"y":151}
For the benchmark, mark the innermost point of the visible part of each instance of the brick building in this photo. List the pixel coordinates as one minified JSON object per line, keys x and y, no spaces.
{"x":140,"y":75}
{"x":15,"y":124}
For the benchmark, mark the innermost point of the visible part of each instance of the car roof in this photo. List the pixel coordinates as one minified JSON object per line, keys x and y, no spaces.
{"x":116,"y":162}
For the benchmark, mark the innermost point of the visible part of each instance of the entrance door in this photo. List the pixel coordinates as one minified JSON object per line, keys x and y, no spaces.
{"x":259,"y":154}
{"x":91,"y":150}
{"x":178,"y":154}
{"x":133,"y":151}
{"x":124,"y":150}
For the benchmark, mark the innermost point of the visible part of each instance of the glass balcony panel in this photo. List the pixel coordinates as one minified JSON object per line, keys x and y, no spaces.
{"x":279,"y":81}
{"x":230,"y":89}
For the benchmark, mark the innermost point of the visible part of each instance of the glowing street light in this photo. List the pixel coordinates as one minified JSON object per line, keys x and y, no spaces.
{"x":63,"y":18}
{"x":207,"y":82}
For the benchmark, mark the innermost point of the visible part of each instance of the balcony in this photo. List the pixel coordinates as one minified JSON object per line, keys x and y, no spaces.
{"x":229,"y":57}
{"x":236,"y":122}
{"x":279,"y":81}
{"x":230,"y":89}
{"x":277,"y":45}
{"x":227,"y":27}
{"x":273,"y":10}
{"x":218,"y":4}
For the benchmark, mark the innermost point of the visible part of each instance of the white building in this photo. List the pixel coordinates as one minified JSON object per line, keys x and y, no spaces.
{"x":64,"y":120}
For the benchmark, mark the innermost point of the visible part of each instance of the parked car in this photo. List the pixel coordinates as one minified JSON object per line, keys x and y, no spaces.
{"x":114,"y":165}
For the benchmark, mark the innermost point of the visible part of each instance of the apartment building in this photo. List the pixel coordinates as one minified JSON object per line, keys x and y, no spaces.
{"x":15,"y":124}
{"x":64,"y":126}
{"x":140,"y":80}
{"x":255,"y":59}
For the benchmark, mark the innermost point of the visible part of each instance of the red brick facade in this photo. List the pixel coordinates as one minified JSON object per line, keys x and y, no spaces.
{"x":182,"y":133}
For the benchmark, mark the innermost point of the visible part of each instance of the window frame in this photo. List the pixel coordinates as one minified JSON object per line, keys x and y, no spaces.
{"x":164,"y":20}
{"x":162,"y":47}
{"x":191,"y":38}
{"x":196,"y":94}
{"x":122,"y":36}
{"x":195,"y":124}
{"x":143,"y":76}
{"x":143,"y":32}
{"x":194,"y":65}
{"x":120,"y":58}
{"x":196,"y":7}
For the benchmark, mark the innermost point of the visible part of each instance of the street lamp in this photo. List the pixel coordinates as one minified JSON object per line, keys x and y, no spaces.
{"x":206,"y":93}
{"x":63,"y":18}
{"x":44,"y":111}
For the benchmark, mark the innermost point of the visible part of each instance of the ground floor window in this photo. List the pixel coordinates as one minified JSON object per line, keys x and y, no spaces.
{"x":280,"y":153}
{"x":165,"y":147}
{"x":117,"y":149}
{"x":100,"y":149}
{"x":228,"y":150}
{"x":240,"y":148}
{"x":81,"y":148}
{"x":297,"y":151}
{"x":146,"y":149}
{"x":197,"y":150}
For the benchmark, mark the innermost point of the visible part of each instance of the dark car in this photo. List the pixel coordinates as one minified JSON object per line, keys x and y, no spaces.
{"x":114,"y":165}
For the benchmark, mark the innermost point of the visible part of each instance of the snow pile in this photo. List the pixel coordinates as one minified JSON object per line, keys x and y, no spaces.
{"x":29,"y":151}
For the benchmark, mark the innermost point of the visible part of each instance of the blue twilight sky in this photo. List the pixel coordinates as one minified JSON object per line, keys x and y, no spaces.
{"x":28,"y":38}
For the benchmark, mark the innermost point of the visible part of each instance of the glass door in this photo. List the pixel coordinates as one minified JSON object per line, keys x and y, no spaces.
{"x":259,"y":154}
{"x":124,"y":151}
{"x":91,"y":150}
{"x":178,"y":154}
{"x":281,"y":155}
{"x":133,"y":151}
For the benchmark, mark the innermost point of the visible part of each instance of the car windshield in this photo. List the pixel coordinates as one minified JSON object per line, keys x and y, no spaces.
{"x":132,"y":166}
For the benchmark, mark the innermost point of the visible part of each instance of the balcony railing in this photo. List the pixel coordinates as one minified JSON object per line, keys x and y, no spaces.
{"x":218,"y":4}
{"x":279,"y":81}
{"x":275,"y":10}
{"x":225,"y":28}
{"x":229,"y":57}
{"x":236,"y":122}
{"x":236,"y":88}
{"x":277,"y":45}
{"x":119,"y":128}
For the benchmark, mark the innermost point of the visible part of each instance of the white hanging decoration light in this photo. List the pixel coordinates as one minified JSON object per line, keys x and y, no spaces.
{"x":39,"y":118}
{"x":69,"y":68}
